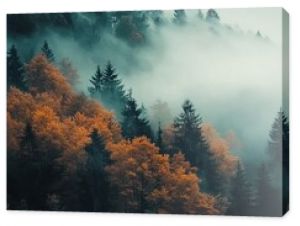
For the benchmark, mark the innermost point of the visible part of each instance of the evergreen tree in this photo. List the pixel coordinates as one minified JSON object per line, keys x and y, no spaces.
{"x":267,"y":201}
{"x":133,"y":124}
{"x":108,"y":89}
{"x":95,"y":180}
{"x":38,"y":173}
{"x":188,"y":135}
{"x":212,"y":16}
{"x":214,"y":182}
{"x":159,"y":139}
{"x":97,"y":84}
{"x":200,"y":14}
{"x":278,"y":152}
{"x":241,"y":196}
{"x":48,"y":52}
{"x":179,"y":17}
{"x":15,"y":70}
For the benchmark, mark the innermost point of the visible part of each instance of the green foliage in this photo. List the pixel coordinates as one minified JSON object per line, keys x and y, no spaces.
{"x":15,"y":70}
{"x":134,"y":124}
{"x":47,"y":52}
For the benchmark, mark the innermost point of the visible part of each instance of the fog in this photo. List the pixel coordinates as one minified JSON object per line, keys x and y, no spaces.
{"x":232,"y":76}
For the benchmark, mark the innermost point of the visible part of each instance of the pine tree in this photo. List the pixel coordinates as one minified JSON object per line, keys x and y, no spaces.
{"x":179,"y":17}
{"x":48,"y":52}
{"x":15,"y":70}
{"x":214,"y":182}
{"x":188,"y":136}
{"x":38,"y":172}
{"x":212,"y":16}
{"x":278,"y":152}
{"x":159,"y":141}
{"x":200,"y":14}
{"x":97,"y":86}
{"x":108,"y":89}
{"x":241,"y":196}
{"x":133,"y":124}
{"x":267,"y":201}
{"x":96,"y":186}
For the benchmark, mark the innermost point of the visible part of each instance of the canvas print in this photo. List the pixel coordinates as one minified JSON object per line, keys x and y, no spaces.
{"x":167,"y":112}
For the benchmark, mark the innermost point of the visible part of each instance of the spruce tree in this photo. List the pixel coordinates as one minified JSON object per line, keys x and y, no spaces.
{"x":95,"y":180}
{"x":47,"y":52}
{"x":212,"y":16}
{"x":133,"y":124}
{"x":188,"y":135}
{"x":179,"y":17}
{"x":96,"y":80}
{"x":241,"y":195}
{"x":159,"y":139}
{"x":267,"y":201}
{"x":15,"y":70}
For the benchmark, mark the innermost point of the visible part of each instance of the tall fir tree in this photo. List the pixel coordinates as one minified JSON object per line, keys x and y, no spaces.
{"x":212,"y":16}
{"x":278,"y":152}
{"x":108,"y":89}
{"x":241,"y":197}
{"x":188,"y":135}
{"x":38,"y":173}
{"x":48,"y":52}
{"x":159,"y":139}
{"x":97,"y":84}
{"x":267,"y":200}
{"x":179,"y":17}
{"x":133,"y":124}
{"x":95,"y":184}
{"x":15,"y":70}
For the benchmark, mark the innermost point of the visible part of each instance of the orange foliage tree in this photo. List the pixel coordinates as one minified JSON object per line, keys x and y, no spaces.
{"x":147,"y":181}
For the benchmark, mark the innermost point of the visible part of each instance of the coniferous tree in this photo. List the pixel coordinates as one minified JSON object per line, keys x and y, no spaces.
{"x":108,"y":89}
{"x":48,"y":52}
{"x":214,"y":182}
{"x":95,"y":181}
{"x":188,"y":135}
{"x":200,"y":14}
{"x":15,"y":70}
{"x":267,"y":201}
{"x":278,"y":152}
{"x":97,"y":84}
{"x":159,"y":139}
{"x":241,"y":196}
{"x":133,"y":124}
{"x":38,"y":173}
{"x":179,"y":17}
{"x":212,"y":16}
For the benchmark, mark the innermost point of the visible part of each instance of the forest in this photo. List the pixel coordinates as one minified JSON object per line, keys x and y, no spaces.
{"x":87,"y":142}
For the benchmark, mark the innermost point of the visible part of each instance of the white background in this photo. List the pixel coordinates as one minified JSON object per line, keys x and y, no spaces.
{"x":47,"y":218}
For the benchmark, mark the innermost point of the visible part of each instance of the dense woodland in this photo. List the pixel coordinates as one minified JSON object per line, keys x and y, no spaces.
{"x":98,"y":151}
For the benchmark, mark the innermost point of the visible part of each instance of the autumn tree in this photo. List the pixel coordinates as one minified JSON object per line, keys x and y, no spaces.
{"x":219,"y":163}
{"x":133,"y":123}
{"x":47,"y":52}
{"x":15,"y":70}
{"x":147,"y":181}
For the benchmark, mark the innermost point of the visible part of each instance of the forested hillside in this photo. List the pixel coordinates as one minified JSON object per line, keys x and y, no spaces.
{"x":74,"y":146}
